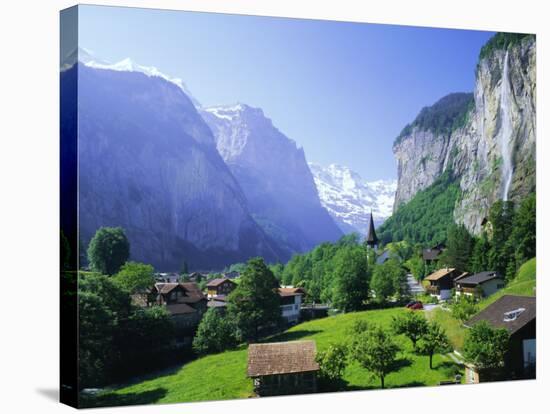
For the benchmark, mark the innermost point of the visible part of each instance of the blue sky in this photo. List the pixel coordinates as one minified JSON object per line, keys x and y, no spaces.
{"x":341,"y":90}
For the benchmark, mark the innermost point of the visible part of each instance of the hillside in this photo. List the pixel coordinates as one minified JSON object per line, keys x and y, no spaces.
{"x":223,"y":376}
{"x":426,"y":217}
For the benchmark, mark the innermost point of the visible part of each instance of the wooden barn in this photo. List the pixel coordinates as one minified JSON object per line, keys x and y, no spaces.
{"x":283,"y":368}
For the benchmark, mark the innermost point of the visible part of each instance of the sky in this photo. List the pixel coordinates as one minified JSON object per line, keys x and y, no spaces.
{"x":343,"y":91}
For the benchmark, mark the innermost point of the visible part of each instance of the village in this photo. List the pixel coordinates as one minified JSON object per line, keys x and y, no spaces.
{"x":472,"y":327}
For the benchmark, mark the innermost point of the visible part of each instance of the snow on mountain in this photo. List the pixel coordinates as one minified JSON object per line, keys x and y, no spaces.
{"x":86,"y":57}
{"x":349,"y":198}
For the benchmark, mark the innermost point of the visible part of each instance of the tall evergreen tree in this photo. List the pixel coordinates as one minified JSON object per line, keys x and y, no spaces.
{"x":501,"y":217}
{"x":524,"y":232}
{"x":459,"y":248}
{"x":480,"y":254}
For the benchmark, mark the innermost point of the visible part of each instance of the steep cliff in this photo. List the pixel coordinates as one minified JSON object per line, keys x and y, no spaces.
{"x":274,"y":176}
{"x":485,"y":140}
{"x":148,"y":163}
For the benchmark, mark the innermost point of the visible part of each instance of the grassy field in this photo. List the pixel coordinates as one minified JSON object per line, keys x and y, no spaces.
{"x":453,"y":327}
{"x":223,"y":376}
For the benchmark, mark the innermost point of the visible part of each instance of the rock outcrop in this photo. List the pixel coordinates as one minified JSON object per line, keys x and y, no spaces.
{"x":489,"y":146}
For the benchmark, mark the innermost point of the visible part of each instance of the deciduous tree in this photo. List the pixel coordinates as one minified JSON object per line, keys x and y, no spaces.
{"x":433,"y":340}
{"x":135,"y":277}
{"x":376,"y":351}
{"x":485,"y":346}
{"x":255,"y":302}
{"x":411,"y":324}
{"x":109,"y":249}
{"x":351,"y":278}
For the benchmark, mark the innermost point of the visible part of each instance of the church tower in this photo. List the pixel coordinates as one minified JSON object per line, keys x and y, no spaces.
{"x":372,"y":240}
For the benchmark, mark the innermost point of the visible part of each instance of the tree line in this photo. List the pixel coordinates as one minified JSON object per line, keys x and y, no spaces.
{"x":508,"y":240}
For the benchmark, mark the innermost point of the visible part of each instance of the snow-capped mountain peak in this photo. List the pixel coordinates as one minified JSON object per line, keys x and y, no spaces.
{"x":350,"y":199}
{"x":87,"y":58}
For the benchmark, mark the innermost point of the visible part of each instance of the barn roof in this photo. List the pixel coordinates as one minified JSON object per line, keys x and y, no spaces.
{"x":192,"y":291}
{"x":217,"y":282}
{"x":291,"y":291}
{"x":431,"y":254}
{"x":510,"y":312}
{"x":438,"y":274}
{"x":180,"y":309}
{"x":281,"y":358}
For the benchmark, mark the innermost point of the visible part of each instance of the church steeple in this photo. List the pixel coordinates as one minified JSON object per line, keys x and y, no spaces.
{"x":372,"y":240}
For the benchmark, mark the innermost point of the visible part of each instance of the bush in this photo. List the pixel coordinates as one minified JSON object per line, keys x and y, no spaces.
{"x":332,"y":364}
{"x":463,"y":308}
{"x":216,"y":333}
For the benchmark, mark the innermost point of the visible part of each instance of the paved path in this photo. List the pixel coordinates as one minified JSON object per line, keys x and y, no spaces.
{"x":414,"y":286}
{"x":455,"y":358}
{"x":428,"y":307}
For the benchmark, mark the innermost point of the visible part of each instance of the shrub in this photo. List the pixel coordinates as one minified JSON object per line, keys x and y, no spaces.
{"x":332,"y":364}
{"x":463,"y":308}
{"x":215,"y":333}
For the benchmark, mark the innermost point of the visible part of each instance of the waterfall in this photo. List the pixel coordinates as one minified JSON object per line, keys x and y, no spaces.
{"x":505,"y":133}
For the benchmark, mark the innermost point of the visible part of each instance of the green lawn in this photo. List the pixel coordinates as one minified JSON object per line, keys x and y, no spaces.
{"x":453,"y":327}
{"x":223,"y":376}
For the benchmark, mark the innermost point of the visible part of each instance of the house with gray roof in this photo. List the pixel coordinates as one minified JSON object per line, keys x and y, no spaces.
{"x":518,"y":315}
{"x":479,"y":285}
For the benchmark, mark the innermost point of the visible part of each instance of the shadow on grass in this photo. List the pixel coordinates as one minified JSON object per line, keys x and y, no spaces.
{"x":111,"y":399}
{"x":291,"y":336}
{"x":401,"y":363}
{"x":450,"y":369}
{"x":378,"y":386}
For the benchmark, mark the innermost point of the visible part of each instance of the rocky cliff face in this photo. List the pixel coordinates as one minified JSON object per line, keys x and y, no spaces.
{"x":274,"y":176}
{"x":491,"y":150}
{"x":148,"y":163}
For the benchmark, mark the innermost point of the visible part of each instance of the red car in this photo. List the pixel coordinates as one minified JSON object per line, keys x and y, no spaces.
{"x":416,"y":306}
